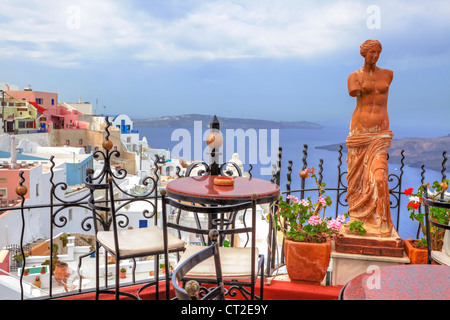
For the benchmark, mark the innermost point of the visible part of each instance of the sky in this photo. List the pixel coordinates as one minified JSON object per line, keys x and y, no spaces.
{"x":274,"y":60}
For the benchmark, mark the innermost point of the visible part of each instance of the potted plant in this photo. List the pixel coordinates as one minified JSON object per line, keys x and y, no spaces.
{"x":123,"y":273}
{"x":18,"y":258}
{"x":43,"y":270}
{"x":54,"y":259}
{"x":26,"y":272}
{"x":162,"y":267}
{"x":416,"y":249}
{"x":37,"y":282}
{"x":307,"y":232}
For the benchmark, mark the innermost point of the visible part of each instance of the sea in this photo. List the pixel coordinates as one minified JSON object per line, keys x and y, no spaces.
{"x":292,"y":142}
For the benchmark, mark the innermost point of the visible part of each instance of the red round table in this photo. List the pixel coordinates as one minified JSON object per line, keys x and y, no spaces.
{"x":203,"y":190}
{"x":402,"y":282}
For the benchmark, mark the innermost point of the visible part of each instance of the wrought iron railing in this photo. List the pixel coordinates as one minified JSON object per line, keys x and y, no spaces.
{"x":340,"y":189}
{"x":57,"y":205}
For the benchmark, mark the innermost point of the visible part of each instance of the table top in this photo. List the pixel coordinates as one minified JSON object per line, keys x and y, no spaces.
{"x":202,"y":189}
{"x":402,"y":282}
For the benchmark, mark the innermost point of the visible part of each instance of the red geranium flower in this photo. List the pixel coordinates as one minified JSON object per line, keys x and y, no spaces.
{"x":409,"y":191}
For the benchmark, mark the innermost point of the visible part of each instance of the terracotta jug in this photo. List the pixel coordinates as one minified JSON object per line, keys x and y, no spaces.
{"x":37,"y":282}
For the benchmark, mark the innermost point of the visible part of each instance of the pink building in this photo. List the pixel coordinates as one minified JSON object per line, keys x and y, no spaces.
{"x":10,"y":179}
{"x":46,"y":100}
{"x":62,"y":117}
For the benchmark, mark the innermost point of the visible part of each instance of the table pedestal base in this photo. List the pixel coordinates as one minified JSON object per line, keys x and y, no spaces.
{"x":346,"y":266}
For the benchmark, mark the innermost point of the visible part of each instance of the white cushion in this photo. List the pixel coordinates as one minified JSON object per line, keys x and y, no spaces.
{"x":138,"y":241}
{"x":441,"y":257}
{"x":235,"y":262}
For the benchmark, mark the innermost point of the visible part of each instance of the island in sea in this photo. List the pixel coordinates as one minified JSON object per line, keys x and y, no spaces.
{"x":430,"y":152}
{"x":187,"y":121}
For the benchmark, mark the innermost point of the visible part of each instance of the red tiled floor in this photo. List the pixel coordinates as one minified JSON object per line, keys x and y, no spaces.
{"x":277,"y":290}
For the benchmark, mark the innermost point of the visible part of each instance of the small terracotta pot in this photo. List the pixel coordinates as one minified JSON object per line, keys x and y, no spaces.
{"x":415,"y":255}
{"x":123,"y":275}
{"x":307,"y":262}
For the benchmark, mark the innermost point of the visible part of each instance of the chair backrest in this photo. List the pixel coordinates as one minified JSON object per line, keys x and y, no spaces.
{"x":192,"y":288}
{"x":223,"y":223}
{"x":430,"y":221}
{"x":114,"y":217}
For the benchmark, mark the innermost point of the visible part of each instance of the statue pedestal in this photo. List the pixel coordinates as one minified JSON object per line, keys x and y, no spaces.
{"x":374,"y":246}
{"x":355,"y":254}
{"x":346,"y":266}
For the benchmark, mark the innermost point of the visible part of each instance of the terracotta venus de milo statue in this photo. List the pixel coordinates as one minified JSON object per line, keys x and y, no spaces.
{"x":368,"y":142}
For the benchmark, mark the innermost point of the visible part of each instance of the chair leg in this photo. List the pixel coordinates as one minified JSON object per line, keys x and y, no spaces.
{"x":167,"y":271}
{"x":261,"y":289}
{"x":156,"y":275}
{"x":97,"y":271}
{"x":117,"y":278}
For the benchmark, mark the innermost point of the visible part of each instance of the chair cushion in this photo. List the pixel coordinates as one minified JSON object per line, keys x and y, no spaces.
{"x":139,"y":241}
{"x":441,"y":257}
{"x":236,"y":263}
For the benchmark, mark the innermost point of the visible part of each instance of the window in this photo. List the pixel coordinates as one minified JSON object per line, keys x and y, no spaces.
{"x":39,"y":100}
{"x":70,"y":214}
{"x":53,"y":102}
{"x":3,"y":193}
{"x":81,"y":141}
{"x":37,"y":189}
{"x":67,"y":142}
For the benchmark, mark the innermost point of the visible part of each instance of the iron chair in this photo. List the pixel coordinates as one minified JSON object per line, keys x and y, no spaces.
{"x":192,"y":288}
{"x":240,"y":265}
{"x":439,"y":257}
{"x":125,"y":243}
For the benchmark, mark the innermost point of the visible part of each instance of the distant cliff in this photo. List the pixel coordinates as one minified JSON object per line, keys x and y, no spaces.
{"x":187,"y":121}
{"x":418,"y":151}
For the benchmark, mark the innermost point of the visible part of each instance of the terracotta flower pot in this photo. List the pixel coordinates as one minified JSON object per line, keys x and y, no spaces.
{"x":123,"y":275}
{"x":415,"y":255}
{"x":307,"y":262}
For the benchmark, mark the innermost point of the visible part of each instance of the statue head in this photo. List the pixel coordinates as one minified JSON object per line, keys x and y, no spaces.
{"x":367,"y":45}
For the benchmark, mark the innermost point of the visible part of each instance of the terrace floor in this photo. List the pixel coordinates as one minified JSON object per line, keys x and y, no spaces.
{"x":277,"y":287}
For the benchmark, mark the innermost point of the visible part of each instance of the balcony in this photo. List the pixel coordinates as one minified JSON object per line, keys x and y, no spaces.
{"x":78,"y":250}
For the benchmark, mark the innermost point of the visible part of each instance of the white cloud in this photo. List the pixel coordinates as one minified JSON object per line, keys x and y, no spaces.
{"x":68,"y":33}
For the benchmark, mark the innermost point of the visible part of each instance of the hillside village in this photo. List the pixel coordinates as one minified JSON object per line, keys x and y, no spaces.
{"x":51,"y":144}
{"x":36,"y":126}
